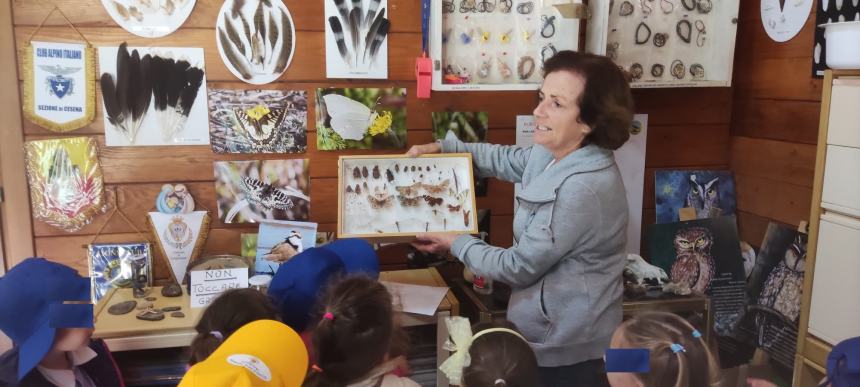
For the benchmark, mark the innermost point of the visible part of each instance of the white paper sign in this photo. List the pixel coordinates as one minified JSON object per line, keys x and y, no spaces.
{"x":631,"y":162}
{"x":208,"y":284}
{"x":417,"y":299}
{"x":525,"y":134}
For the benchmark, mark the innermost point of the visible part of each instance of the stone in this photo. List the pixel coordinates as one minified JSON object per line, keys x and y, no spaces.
{"x":171,"y":308}
{"x":177,"y":314}
{"x":122,"y":307}
{"x":150,"y":315}
{"x":172,"y":290}
{"x":150,"y":298}
{"x":144,"y":305}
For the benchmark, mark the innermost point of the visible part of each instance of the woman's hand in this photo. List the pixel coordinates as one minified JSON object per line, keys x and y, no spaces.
{"x":418,"y":150}
{"x":434,"y":243}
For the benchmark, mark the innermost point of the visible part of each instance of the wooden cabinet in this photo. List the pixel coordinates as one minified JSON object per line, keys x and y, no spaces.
{"x":831,"y":309}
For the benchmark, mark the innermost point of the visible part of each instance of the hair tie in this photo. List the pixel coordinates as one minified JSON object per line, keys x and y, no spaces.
{"x":328,"y":316}
{"x":697,"y":334}
{"x":316,"y":368}
{"x":217,"y":335}
{"x":677,"y":348}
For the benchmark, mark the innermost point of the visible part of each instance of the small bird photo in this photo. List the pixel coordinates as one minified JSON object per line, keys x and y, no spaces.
{"x":153,"y":96}
{"x":361,"y":118}
{"x":279,"y":241}
{"x":254,"y":191}
{"x":356,"y":39}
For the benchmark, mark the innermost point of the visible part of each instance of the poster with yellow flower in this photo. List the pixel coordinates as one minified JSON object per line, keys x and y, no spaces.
{"x":361,"y":118}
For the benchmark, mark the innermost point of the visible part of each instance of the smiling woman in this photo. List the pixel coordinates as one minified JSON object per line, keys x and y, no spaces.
{"x":565,"y":266}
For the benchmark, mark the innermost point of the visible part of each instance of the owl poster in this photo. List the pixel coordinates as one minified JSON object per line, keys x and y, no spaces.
{"x":258,"y":121}
{"x":280,"y":241}
{"x":467,"y":127}
{"x":772,"y":308}
{"x":361,"y":118}
{"x":253,"y":191}
{"x":709,"y":193}
{"x":704,"y":254}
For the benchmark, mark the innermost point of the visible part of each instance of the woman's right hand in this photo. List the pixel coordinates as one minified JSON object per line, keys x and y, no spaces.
{"x":418,"y":150}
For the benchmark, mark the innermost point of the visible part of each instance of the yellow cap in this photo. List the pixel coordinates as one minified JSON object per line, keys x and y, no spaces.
{"x":261,"y":353}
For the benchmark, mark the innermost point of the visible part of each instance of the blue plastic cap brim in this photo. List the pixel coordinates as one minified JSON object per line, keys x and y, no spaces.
{"x":70,"y":315}
{"x":636,"y":360}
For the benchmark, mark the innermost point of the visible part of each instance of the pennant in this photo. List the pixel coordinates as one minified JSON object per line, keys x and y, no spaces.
{"x":59,"y":85}
{"x":116,"y":265}
{"x":66,"y":185}
{"x":180,"y":238}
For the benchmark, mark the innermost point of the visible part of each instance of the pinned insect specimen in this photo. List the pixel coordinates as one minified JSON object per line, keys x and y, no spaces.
{"x":356,"y":173}
{"x":376,"y":174}
{"x":433,"y":201}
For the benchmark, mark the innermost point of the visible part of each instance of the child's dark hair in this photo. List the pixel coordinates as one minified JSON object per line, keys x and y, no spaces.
{"x":694,"y":366}
{"x":354,"y":332}
{"x":500,"y":359}
{"x":228,"y":312}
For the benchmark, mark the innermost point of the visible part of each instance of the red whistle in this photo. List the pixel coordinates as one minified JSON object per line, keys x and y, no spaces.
{"x":423,"y":76}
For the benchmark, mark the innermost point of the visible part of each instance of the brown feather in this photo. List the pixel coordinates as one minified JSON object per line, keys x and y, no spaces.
{"x":238,"y":63}
{"x":286,"y":46}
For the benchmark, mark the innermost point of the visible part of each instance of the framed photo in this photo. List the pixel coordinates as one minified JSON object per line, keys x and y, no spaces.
{"x":395,"y":197}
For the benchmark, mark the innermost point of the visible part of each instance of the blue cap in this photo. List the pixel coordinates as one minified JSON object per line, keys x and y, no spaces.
{"x":843,"y":364}
{"x":298,"y":282}
{"x":31,"y":307}
{"x":628,"y":360}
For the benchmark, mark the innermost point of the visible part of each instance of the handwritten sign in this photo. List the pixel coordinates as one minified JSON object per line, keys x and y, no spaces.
{"x":208,"y":284}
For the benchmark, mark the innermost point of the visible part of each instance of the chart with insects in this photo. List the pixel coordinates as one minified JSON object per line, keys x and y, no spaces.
{"x":253,"y":191}
{"x":255,"y":39}
{"x":496,"y":44}
{"x":400,"y":196}
{"x":153,"y":96}
{"x":673,"y":43}
{"x":356,"y":38}
{"x":149,"y":18}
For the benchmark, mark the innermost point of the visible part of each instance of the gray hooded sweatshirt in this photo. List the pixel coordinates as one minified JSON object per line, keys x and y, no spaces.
{"x":566,"y":262}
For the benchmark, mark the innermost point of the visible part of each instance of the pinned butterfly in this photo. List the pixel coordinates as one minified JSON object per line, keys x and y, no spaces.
{"x":361,"y":118}
{"x":253,"y":191}
{"x":356,"y":44}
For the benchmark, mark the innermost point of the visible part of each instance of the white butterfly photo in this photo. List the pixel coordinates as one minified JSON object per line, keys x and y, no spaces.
{"x":361,"y":118}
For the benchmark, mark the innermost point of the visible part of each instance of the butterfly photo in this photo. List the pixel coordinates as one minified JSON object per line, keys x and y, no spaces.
{"x":361,"y":118}
{"x":258,"y":121}
{"x":253,"y":191}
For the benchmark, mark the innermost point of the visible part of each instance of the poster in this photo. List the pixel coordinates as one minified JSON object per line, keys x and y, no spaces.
{"x":361,"y":118}
{"x":356,"y":38}
{"x":709,"y":193}
{"x":165,"y":105}
{"x":829,"y":11}
{"x":771,"y":314}
{"x":256,"y":39}
{"x":253,"y":191}
{"x":258,"y":121}
{"x":279,"y":241}
{"x":149,"y":19}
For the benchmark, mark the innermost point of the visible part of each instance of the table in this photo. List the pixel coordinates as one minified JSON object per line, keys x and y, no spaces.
{"x":494,"y":306}
{"x":126,"y":333}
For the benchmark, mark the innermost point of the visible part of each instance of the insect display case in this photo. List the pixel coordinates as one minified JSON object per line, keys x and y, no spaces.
{"x":393,"y":198}
{"x":497,"y":44}
{"x":666,"y":43}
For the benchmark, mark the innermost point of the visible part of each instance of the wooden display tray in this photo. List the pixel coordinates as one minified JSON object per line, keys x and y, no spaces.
{"x":127,"y":325}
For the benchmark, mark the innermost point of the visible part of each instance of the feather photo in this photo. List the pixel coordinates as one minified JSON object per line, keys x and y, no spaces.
{"x":149,"y":19}
{"x":153,"y":96}
{"x":356,"y":34}
{"x":256,"y":39}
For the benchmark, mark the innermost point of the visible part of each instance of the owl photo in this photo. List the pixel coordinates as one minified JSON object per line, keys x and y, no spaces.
{"x":708,"y":193}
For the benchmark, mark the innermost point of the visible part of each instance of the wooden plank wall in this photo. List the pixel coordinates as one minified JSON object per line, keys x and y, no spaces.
{"x":774,"y":128}
{"x":689,"y":128}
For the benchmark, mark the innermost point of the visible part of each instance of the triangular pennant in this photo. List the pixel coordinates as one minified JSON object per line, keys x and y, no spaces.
{"x":180,"y":238}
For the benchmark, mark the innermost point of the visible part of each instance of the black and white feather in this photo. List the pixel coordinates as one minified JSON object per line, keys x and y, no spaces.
{"x":126,"y":96}
{"x":255,"y":38}
{"x":358,"y":31}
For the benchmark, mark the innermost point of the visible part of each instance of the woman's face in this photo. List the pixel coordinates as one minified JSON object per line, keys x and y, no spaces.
{"x":557,"y":124}
{"x":621,"y":379}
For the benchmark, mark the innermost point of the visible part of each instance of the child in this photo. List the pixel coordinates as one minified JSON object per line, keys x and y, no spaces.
{"x":677,"y":354}
{"x":260,"y":353}
{"x":498,"y":356}
{"x":228,"y":312}
{"x":45,"y":310}
{"x":353,"y":337}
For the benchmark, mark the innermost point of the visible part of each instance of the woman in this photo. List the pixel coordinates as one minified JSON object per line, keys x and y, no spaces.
{"x":565,"y":266}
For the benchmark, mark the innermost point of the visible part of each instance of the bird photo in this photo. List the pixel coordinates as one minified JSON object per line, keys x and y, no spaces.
{"x":280,"y":241}
{"x":356,"y":34}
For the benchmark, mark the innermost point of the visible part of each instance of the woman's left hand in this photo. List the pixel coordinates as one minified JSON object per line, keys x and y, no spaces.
{"x":434,"y":243}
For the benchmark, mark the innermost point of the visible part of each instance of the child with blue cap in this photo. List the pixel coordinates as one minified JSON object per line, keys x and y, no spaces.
{"x":45,"y":310}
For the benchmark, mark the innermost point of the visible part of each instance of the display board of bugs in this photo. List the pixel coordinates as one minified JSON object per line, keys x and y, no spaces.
{"x":396,"y":197}
{"x":669,"y":43}
{"x":496,"y":44}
